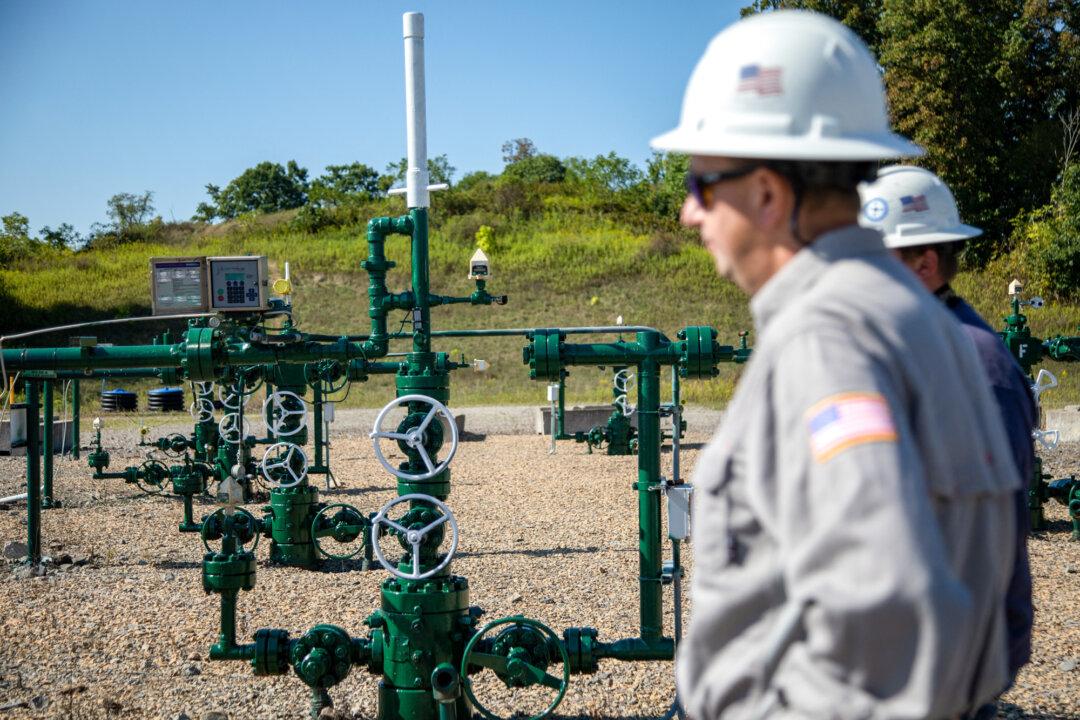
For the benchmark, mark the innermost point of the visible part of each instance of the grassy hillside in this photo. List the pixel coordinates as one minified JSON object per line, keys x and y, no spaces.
{"x":559,"y":269}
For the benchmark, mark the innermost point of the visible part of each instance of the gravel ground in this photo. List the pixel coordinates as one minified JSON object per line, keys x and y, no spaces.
{"x":552,"y":537}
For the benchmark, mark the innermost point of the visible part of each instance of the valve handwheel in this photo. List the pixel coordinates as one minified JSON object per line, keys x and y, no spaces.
{"x":152,"y":477}
{"x":175,"y":445}
{"x":202,"y":410}
{"x":519,"y":655}
{"x":240,"y":523}
{"x":281,"y":409}
{"x":231,"y":430}
{"x":284,"y":465}
{"x":416,"y":439}
{"x":345,"y":526}
{"x":204,"y":389}
{"x":414,"y":537}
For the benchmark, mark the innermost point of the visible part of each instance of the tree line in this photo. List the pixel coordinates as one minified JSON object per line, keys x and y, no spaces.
{"x":988,"y":87}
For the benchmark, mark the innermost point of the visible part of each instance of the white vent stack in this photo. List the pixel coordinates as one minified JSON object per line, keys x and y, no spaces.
{"x":416,"y":177}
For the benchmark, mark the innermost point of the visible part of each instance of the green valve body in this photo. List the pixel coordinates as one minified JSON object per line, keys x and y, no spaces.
{"x":290,"y":514}
{"x":421,"y":624}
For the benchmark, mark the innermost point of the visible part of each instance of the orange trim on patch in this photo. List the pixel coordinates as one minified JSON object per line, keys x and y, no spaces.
{"x":846,"y":420}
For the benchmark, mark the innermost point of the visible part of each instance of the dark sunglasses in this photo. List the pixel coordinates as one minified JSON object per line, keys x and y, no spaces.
{"x":697,"y":184}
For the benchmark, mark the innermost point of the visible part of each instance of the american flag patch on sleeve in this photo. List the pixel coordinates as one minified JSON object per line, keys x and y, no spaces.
{"x":842,"y":421}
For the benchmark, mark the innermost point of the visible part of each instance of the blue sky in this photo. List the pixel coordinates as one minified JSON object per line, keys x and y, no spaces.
{"x":108,"y":96}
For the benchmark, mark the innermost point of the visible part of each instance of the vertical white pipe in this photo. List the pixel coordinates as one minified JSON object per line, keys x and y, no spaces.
{"x":416,"y":177}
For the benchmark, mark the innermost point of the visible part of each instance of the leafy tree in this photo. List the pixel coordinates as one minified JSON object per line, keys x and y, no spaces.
{"x":1049,"y":239}
{"x":439,"y":171}
{"x":605,"y":173}
{"x":62,"y":237}
{"x":859,"y":15}
{"x":16,"y":227}
{"x":542,"y":168}
{"x":665,"y":174}
{"x":517,"y":149}
{"x":15,"y":241}
{"x":127,"y":211}
{"x":344,"y":182}
{"x":981,"y":84}
{"x":267,"y":187}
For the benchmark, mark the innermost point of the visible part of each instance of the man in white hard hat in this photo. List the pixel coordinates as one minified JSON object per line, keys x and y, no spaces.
{"x":853,"y":512}
{"x":917,"y":214}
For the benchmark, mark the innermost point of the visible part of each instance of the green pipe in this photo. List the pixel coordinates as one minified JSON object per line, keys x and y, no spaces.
{"x":376,"y":265}
{"x":636,"y":649}
{"x":421,"y":284}
{"x":33,"y":474}
{"x":96,"y":357}
{"x":226,"y":648}
{"x":75,"y":398}
{"x":650,"y":559}
{"x":189,"y":524}
{"x":561,"y":427}
{"x":317,"y":399}
{"x":48,"y":406}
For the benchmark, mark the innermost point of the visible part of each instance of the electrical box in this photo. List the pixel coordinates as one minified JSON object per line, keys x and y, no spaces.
{"x":678,"y":511}
{"x":238,"y":283}
{"x":178,"y":285}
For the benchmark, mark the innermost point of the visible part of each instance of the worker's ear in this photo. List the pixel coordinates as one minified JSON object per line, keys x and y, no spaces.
{"x":770,"y":199}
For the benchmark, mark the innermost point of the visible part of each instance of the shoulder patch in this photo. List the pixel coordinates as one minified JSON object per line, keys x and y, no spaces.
{"x":842,"y":421}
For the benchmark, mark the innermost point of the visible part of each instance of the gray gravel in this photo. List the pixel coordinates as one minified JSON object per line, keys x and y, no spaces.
{"x":122,"y":630}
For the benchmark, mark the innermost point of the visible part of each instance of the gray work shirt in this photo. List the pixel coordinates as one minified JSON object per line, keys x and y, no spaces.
{"x":853,"y":514}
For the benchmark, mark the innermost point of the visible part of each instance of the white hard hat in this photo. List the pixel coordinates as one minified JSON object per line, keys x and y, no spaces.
{"x":786,"y":85}
{"x":912,"y":206}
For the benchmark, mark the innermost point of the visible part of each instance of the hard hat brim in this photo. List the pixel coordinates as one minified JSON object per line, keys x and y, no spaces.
{"x":883,"y":146}
{"x":953,"y":234}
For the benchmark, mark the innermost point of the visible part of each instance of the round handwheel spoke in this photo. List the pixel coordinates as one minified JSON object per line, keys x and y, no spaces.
{"x":390,"y":435}
{"x":414,"y":537}
{"x":418,"y":440}
{"x":427,"y":460}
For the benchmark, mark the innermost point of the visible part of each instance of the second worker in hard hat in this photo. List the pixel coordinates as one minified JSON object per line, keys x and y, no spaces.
{"x":853,"y":514}
{"x":917,"y":214}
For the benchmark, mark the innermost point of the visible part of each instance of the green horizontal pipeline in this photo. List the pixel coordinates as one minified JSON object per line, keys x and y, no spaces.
{"x":495,"y":332}
{"x":159,"y":356}
{"x":116,"y":373}
{"x":636,"y":649}
{"x":623,"y":353}
{"x":96,"y":358}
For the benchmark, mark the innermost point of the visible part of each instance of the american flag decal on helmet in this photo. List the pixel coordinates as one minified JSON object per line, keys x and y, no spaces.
{"x":914,"y":203}
{"x":762,"y":80}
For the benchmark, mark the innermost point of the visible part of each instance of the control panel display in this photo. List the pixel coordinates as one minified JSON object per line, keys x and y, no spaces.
{"x":178,"y":285}
{"x":238,"y":283}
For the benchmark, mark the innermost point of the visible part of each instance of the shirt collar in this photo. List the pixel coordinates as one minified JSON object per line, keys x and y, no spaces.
{"x":802,"y":271}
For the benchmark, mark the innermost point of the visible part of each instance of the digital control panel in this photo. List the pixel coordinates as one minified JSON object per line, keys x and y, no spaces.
{"x":238,"y":283}
{"x":178,"y":285}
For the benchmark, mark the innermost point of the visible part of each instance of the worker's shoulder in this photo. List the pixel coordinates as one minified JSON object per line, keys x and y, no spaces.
{"x":871,"y":301}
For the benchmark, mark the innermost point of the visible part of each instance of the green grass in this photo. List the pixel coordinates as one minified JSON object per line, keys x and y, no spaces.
{"x":560,"y":269}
